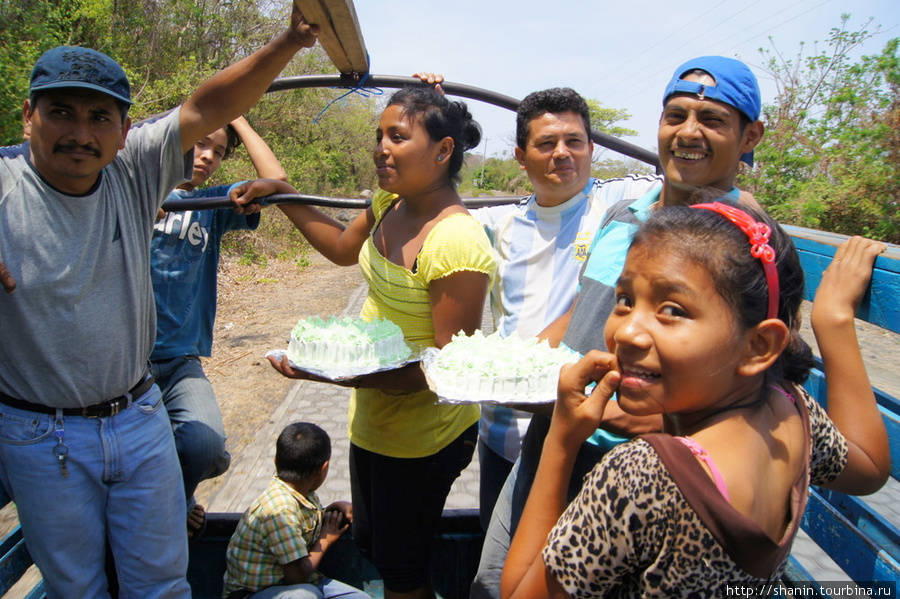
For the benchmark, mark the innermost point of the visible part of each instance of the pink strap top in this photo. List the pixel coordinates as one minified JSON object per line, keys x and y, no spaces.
{"x":703,"y":455}
{"x":785,"y":393}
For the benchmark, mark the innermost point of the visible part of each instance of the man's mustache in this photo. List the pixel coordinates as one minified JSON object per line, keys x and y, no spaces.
{"x":67,"y":148}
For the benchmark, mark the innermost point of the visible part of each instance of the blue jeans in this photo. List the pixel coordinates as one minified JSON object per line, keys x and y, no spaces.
{"x":196,"y":419}
{"x":486,"y":584}
{"x":122,"y":489}
{"x":326,"y":588}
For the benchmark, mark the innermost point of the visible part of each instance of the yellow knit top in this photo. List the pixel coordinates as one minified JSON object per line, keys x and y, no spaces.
{"x":412,"y":425}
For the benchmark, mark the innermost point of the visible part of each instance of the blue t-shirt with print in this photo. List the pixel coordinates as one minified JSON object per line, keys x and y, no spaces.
{"x":184,"y":256}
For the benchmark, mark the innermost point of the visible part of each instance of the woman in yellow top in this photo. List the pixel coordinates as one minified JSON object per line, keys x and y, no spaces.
{"x":429,"y":266}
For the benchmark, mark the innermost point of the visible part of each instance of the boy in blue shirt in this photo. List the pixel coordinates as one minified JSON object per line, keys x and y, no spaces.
{"x":184,"y":255}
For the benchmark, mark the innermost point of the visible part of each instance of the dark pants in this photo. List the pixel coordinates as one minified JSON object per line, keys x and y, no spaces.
{"x":397,"y":503}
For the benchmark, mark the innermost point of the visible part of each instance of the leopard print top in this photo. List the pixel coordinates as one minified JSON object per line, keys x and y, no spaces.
{"x":632,"y":532}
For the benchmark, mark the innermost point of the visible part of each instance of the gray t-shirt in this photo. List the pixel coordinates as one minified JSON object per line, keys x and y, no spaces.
{"x":81,"y":324}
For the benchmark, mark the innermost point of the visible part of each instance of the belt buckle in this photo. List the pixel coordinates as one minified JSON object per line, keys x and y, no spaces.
{"x":115,"y":406}
{"x":102,"y":410}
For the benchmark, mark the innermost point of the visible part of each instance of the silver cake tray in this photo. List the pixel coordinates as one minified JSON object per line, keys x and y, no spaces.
{"x":344,"y":373}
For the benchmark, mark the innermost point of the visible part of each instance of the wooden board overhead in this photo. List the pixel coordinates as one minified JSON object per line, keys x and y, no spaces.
{"x":339,"y":33}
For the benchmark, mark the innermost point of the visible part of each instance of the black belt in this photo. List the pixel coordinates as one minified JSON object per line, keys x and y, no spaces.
{"x":99,"y":410}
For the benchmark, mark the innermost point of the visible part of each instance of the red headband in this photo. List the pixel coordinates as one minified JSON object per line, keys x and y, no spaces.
{"x":758,"y":233}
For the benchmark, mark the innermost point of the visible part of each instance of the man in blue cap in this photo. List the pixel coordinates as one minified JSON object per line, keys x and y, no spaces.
{"x":86,"y":449}
{"x":709,"y":124}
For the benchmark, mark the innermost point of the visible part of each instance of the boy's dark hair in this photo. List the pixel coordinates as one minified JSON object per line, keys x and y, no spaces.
{"x":711,"y":240}
{"x":301,"y":449}
{"x":441,"y":118}
{"x":555,"y":100}
{"x":234,"y":140}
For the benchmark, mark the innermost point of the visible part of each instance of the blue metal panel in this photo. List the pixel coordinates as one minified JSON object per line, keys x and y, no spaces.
{"x":14,"y":560}
{"x":796,"y":577}
{"x":887,"y":404}
{"x":880,"y":305}
{"x":859,"y":555}
{"x":869,"y":522}
{"x":37,"y":592}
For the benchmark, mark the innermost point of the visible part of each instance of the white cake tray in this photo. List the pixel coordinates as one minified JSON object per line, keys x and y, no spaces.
{"x":429,"y":357}
{"x":349,"y":372}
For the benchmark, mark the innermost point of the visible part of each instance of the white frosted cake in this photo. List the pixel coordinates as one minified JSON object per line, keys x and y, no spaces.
{"x":346,"y":343}
{"x":497,"y":369}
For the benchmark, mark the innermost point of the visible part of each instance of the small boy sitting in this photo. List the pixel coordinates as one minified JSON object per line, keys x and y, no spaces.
{"x":281,"y":538}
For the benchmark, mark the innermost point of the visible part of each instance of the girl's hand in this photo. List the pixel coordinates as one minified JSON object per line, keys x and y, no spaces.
{"x":845,"y":282}
{"x":576,"y":415}
{"x":248,"y":208}
{"x":245,"y":193}
{"x":284,"y":367}
{"x":849,"y":396}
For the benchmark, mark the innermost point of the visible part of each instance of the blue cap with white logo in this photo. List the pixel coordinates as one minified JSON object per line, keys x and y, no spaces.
{"x":71,"y":66}
{"x":736,"y":85}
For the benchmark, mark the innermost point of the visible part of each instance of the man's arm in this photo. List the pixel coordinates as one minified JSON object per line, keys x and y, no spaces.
{"x":555,"y":331}
{"x":233,"y":90}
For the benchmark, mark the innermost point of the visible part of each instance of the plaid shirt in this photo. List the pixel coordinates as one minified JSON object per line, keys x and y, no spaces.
{"x":278,"y":528}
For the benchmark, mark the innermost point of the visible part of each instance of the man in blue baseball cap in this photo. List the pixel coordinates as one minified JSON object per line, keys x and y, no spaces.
{"x":87,"y":451}
{"x":709,"y":124}
{"x":710,"y":114}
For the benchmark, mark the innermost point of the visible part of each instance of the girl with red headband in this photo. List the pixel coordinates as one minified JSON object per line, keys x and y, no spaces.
{"x":705,"y":332}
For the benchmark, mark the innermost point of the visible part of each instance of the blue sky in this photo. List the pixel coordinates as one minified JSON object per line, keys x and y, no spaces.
{"x":620,"y":53}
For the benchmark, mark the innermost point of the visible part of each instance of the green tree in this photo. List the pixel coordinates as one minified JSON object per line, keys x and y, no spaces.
{"x":604,"y":119}
{"x":168,"y":47}
{"x":619,"y":167}
{"x":606,"y":165}
{"x":830,"y":157}
{"x":493,"y":175}
{"x":27,"y":29}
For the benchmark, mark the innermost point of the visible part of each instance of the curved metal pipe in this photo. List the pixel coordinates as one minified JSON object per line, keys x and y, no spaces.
{"x":455,"y":89}
{"x":181,"y":204}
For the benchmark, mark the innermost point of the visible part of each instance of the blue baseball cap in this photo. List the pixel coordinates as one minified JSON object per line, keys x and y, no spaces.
{"x":736,"y":85}
{"x":70,"y":66}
